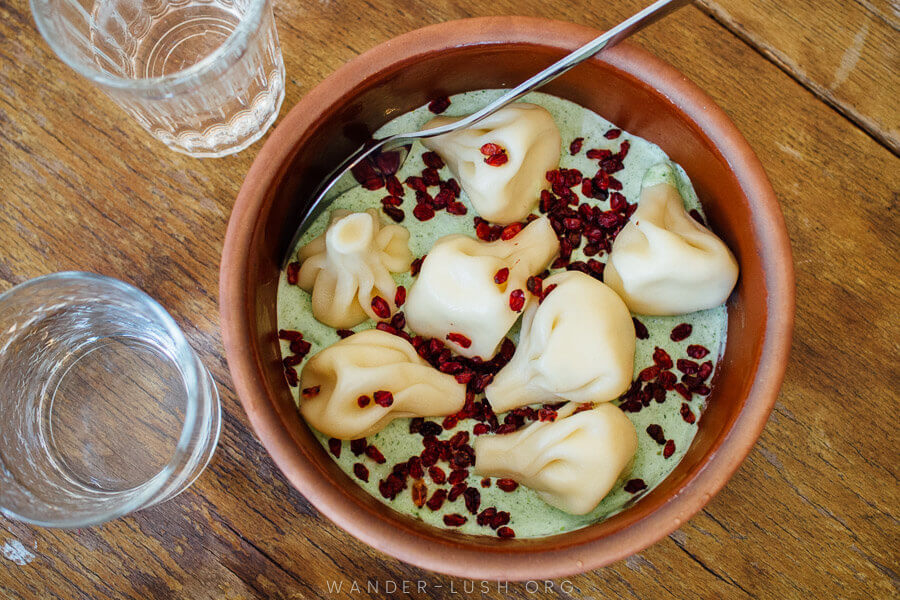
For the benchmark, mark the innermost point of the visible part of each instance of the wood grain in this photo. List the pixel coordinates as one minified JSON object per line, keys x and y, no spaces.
{"x":812,"y":513}
{"x":845,"y":52}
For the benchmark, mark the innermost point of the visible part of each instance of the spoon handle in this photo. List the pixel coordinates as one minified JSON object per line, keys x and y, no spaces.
{"x":629,"y":26}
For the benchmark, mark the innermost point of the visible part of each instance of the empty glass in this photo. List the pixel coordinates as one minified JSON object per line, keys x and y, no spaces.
{"x":206,"y":77}
{"x":104,"y":407}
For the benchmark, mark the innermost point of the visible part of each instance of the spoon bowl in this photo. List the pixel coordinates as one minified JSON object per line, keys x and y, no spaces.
{"x":341,"y":179}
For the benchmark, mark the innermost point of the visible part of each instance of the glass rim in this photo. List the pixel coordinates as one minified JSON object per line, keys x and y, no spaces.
{"x":193,"y":374}
{"x":248,"y":24}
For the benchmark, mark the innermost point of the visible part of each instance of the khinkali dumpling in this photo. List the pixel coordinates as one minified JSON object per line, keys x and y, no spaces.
{"x":572,"y":462}
{"x":663,"y":262}
{"x":507,"y":192}
{"x":350,"y":264}
{"x":578,"y":345}
{"x":345,"y":387}
{"x":457,"y":290}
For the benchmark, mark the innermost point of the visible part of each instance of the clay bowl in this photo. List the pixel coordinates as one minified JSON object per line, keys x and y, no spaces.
{"x":627,"y":86}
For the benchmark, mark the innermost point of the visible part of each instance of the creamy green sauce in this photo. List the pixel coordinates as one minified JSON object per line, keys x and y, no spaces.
{"x":530,"y":516}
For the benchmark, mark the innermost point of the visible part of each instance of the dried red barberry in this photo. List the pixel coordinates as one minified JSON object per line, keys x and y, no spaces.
{"x":485,"y":516}
{"x":423,"y":212}
{"x":633,"y":486}
{"x":439,"y":105}
{"x":598,"y":154}
{"x":456,"y":491}
{"x":396,"y":191}
{"x":383,"y":398}
{"x":457,"y":476}
{"x":612,"y":134}
{"x":480,"y":429}
{"x":667,"y":380}
{"x":450,"y":421}
{"x":485,"y":482}
{"x":381,"y":308}
{"x":546,"y":292}
{"x":387,"y":327}
{"x":661,"y":358}
{"x":497,"y":160}
{"x":705,"y":370}
{"x":375,"y":454}
{"x":361,"y":471}
{"x":289,"y":335}
{"x":334,"y":446}
{"x":416,"y":183}
{"x":437,"y":474}
{"x":546,"y":414}
{"x":451,"y":367}
{"x":640,"y":329}
{"x":656,"y":432}
{"x":687,"y":414}
{"x":669,"y":449}
{"x":293,"y":273}
{"x":687,"y":366}
{"x":363,"y":401}
{"x":682,"y":389}
{"x":311,"y":392}
{"x":291,"y":361}
{"x":516,"y":300}
{"x":456,"y":208}
{"x":398,"y":321}
{"x":433,"y":160}
{"x":501,"y":276}
{"x":681,"y":332}
{"x":363,"y":171}
{"x":430,"y":176}
{"x":507,"y":485}
{"x":464,"y":377}
{"x":472,"y":498}
{"x":500,"y":519}
{"x":506,"y":533}
{"x":459,"y":339}
{"x":697,"y":351}
{"x":491,"y":149}
{"x":459,"y":439}
{"x":575,"y":146}
{"x":358,"y":446}
{"x":437,"y":499}
{"x":649,"y":374}
{"x":301,"y":347}
{"x":416,"y":265}
{"x":374,"y":183}
{"x":419,"y":493}
{"x":454,"y":520}
{"x":511,"y":231}
{"x":344,"y":333}
{"x":396,"y":214}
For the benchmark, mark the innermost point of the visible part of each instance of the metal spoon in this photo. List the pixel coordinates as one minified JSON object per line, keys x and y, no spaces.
{"x":341,"y":179}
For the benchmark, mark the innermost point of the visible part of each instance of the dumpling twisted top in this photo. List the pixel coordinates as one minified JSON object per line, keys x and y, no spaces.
{"x":578,"y":345}
{"x":505,"y":193}
{"x":457,"y":290}
{"x":334,"y":380}
{"x":350,"y":264}
{"x":572,"y":462}
{"x":663,"y":262}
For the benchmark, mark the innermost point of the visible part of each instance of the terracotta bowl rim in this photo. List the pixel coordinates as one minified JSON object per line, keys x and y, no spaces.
{"x":461,"y":559}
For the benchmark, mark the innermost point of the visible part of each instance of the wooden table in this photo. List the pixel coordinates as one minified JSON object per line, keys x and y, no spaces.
{"x":812,"y":513}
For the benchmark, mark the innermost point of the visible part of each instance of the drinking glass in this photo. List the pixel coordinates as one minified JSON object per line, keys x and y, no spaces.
{"x":205,"y":77}
{"x":104,"y":407}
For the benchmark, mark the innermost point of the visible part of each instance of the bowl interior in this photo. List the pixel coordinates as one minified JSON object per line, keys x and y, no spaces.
{"x":401,"y":75}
